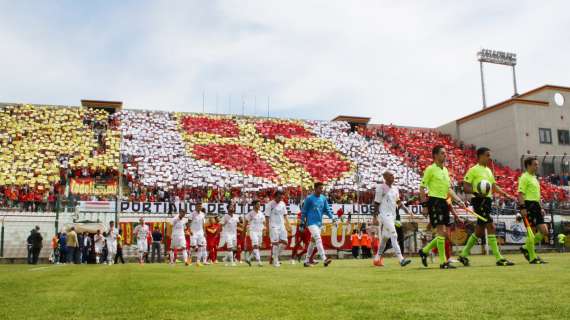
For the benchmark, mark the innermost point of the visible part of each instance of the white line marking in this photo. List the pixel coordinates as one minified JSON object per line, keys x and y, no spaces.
{"x":36,"y":269}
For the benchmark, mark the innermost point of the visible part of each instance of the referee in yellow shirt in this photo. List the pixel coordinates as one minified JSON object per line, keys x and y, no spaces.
{"x":482,"y":205}
{"x":529,"y":204}
{"x":436,"y":180}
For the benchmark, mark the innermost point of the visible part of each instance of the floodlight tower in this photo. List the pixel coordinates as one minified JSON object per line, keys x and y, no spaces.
{"x":497,"y":57}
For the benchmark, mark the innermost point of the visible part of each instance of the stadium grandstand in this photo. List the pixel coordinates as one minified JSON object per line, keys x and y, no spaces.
{"x":77,"y":153}
{"x":46,"y":149}
{"x":99,"y":157}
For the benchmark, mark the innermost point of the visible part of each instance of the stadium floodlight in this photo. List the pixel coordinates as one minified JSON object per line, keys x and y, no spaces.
{"x":497,"y":57}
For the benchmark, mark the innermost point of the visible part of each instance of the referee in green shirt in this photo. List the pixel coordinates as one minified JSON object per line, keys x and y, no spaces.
{"x":529,"y":204}
{"x":436,"y":181}
{"x":482,"y":205}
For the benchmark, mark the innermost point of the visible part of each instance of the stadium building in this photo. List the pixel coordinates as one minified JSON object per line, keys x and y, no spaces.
{"x":536,"y":123}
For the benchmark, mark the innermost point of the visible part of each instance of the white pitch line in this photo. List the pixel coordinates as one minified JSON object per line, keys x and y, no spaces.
{"x":40,"y":268}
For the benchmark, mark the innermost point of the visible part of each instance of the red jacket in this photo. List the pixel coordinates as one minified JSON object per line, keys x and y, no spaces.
{"x":365,"y":241}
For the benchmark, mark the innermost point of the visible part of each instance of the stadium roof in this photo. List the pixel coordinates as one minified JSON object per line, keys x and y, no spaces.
{"x":518,"y":99}
{"x":352,"y":119}
{"x":102,"y":103}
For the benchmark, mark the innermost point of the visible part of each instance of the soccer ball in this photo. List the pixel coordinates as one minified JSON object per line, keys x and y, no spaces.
{"x":378,"y":261}
{"x":484,"y":188}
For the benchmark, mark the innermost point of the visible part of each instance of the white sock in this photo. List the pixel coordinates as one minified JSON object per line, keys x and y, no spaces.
{"x":202,"y":253}
{"x":141,"y":255}
{"x":230,"y":256}
{"x":309,"y":251}
{"x":97,"y":259}
{"x":185,"y":255}
{"x":171,"y":256}
{"x":382,"y":246}
{"x":321,"y":249}
{"x":275,"y":251}
{"x":396,"y":246}
{"x":256,"y":253}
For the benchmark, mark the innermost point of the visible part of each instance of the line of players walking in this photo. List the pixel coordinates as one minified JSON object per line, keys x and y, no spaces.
{"x":274,"y":221}
{"x":436,"y":196}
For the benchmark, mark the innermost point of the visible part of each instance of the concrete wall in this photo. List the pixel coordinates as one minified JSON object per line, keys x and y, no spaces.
{"x":497,"y":131}
{"x":513,"y":131}
{"x":450,"y":128}
{"x":531,"y":118}
{"x":548,"y":96}
{"x":17,"y":227}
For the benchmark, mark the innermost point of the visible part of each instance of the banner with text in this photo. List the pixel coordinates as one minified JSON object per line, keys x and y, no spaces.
{"x":220,"y":208}
{"x":92,"y":186}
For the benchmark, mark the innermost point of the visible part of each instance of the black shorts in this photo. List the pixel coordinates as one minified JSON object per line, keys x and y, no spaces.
{"x":483,"y":207}
{"x":534,"y":211}
{"x":438,"y":211}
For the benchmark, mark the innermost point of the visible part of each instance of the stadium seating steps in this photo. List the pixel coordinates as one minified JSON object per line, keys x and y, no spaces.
{"x":41,"y":146}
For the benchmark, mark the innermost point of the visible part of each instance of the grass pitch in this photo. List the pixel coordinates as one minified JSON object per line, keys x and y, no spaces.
{"x":348,"y":289}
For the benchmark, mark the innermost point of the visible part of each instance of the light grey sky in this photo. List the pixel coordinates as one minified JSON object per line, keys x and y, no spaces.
{"x":402,"y":62}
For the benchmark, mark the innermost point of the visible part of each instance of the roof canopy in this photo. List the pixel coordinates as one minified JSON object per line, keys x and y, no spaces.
{"x":352,"y":119}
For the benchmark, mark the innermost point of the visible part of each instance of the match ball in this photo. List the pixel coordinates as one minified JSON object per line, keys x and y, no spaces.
{"x":377,"y":261}
{"x":484,"y":188}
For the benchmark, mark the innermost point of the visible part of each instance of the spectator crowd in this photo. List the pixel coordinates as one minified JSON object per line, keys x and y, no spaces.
{"x":168,"y":157}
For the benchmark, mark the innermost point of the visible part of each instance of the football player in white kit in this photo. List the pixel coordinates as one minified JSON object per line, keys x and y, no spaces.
{"x":111,"y":242}
{"x":141,"y":233}
{"x":276,"y":215}
{"x":198,"y":238}
{"x":178,"y":242}
{"x":99,"y":242}
{"x":387,"y":199}
{"x":254,"y":224}
{"x":229,"y":233}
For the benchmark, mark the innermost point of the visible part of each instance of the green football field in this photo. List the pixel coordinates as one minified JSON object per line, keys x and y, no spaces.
{"x":347,"y":289}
